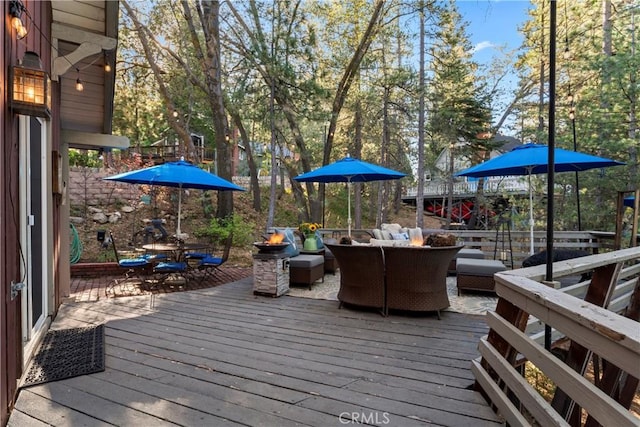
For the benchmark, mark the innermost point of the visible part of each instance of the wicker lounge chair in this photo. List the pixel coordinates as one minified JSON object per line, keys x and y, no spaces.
{"x":361,"y":275}
{"x":417,"y":277}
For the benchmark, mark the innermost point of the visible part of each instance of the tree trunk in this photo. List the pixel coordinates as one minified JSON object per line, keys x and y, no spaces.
{"x":420,"y":178}
{"x":633,"y":105}
{"x":350,"y":73}
{"x":253,"y":171}
{"x":186,"y":144}
{"x":357,"y":153}
{"x":213,"y":77}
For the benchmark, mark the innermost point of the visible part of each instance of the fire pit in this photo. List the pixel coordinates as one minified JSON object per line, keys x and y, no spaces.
{"x":271,"y":267}
{"x":267,"y":247}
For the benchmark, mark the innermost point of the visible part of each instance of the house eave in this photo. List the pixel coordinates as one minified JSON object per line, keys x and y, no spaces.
{"x":93,"y":141}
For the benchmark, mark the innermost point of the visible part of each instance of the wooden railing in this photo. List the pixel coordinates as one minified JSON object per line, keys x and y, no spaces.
{"x":507,"y":244}
{"x":511,"y":184}
{"x":596,"y":320}
{"x":516,"y":247}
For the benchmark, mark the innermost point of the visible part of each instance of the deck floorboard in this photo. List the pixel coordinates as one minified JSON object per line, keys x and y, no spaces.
{"x":223,"y":356}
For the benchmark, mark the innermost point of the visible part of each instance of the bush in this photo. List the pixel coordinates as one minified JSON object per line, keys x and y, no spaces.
{"x":219,"y":229}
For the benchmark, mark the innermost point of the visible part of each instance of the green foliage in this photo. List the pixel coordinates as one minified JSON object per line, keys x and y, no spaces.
{"x":219,"y":229}
{"x":459,"y":112}
{"x":86,"y":158}
{"x":106,"y":256}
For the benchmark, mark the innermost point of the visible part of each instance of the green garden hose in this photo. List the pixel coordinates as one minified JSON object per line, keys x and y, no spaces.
{"x":76,"y":245}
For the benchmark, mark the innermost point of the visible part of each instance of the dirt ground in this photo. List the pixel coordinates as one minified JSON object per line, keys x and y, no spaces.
{"x":193,"y":219}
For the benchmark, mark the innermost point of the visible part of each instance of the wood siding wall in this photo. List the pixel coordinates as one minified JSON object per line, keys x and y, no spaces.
{"x":82,"y":111}
{"x":13,"y":50}
{"x":85,"y":111}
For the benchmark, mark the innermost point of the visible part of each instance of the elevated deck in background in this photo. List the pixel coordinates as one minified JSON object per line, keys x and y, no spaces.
{"x":492,"y":187}
{"x":464,"y":195}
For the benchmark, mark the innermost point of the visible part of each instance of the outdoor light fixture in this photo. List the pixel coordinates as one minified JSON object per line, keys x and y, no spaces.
{"x":107,"y":65}
{"x":31,"y":87}
{"x":79,"y":85}
{"x":15,"y":10}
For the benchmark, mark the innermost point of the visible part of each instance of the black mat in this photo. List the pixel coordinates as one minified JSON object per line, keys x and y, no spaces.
{"x":67,"y":353}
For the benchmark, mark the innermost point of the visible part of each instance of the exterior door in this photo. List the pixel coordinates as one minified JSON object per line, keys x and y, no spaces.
{"x":33,"y":228}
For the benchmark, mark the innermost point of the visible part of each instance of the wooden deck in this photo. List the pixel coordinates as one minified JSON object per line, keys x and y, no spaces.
{"x":222,"y":356}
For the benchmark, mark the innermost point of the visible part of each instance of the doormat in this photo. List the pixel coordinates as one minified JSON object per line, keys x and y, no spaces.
{"x":67,"y":353}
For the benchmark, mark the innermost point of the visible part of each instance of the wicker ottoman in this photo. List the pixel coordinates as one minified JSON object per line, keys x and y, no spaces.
{"x":464,"y":253}
{"x":330,"y":263}
{"x":477,"y":274}
{"x":306,"y":269}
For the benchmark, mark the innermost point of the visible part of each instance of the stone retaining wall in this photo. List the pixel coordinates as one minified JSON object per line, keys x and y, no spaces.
{"x":86,"y":185}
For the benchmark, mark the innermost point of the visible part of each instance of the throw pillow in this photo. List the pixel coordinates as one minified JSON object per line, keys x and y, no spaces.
{"x":292,"y":249}
{"x":400,"y":236}
{"x":319,"y":240}
{"x":440,"y":240}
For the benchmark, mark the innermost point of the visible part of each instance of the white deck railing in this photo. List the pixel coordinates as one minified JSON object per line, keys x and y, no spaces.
{"x":491,"y":185}
{"x":599,"y":318}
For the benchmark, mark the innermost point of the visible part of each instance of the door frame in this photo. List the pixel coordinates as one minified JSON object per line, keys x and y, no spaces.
{"x":32,"y":335}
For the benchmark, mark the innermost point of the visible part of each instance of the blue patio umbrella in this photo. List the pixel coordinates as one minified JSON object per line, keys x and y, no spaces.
{"x":629,"y":201}
{"x":180,"y":174}
{"x":529,"y":159}
{"x":349,"y":170}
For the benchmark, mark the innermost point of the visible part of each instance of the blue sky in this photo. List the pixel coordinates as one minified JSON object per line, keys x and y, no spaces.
{"x":493,"y":23}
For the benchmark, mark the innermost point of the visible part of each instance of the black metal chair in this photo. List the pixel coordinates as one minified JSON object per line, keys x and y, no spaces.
{"x":210,"y":264}
{"x":134,"y":268}
{"x":174,"y":269}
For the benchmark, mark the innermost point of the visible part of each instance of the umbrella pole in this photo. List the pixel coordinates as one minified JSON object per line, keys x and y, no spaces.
{"x":531,"y":251}
{"x":349,"y":204}
{"x":178,"y":233}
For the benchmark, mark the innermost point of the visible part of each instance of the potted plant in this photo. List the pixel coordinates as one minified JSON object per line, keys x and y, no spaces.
{"x":308,"y":231}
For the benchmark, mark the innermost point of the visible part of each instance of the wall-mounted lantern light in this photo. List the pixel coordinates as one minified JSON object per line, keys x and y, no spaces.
{"x":15,"y":10}
{"x":31,"y":87}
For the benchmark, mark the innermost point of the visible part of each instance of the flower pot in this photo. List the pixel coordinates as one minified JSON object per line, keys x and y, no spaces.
{"x":310,"y":243}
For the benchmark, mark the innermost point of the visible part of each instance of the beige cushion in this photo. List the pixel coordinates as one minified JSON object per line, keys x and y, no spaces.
{"x":392,"y":228}
{"x":384,"y":242}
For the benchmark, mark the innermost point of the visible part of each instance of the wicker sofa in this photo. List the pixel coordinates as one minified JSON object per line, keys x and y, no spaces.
{"x":407,"y":278}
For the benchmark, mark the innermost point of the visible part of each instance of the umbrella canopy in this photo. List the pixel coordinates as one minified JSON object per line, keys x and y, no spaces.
{"x":629,"y":201}
{"x":529,"y":159}
{"x":180,"y":174}
{"x":349,"y":170}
